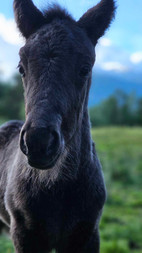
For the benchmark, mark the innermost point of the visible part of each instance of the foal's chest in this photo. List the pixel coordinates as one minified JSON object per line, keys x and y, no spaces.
{"x":58,"y":210}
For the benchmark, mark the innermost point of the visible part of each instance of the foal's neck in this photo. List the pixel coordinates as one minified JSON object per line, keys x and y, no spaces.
{"x":79,"y":151}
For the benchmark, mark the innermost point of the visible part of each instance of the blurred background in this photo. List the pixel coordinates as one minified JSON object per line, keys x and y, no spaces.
{"x":115,"y":108}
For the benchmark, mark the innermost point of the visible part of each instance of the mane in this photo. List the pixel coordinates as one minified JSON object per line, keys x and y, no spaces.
{"x":55,"y":11}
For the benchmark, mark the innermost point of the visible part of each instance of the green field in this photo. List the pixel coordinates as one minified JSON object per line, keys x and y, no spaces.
{"x":120,"y":152}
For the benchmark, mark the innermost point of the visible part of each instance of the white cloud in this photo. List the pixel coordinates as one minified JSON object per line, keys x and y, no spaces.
{"x":116,"y":66}
{"x":9,"y":59}
{"x":6,"y":70}
{"x":8,"y":31}
{"x":136,"y":57}
{"x":105,"y":42}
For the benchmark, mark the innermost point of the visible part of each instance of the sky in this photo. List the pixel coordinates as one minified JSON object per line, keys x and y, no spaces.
{"x":119,"y":51}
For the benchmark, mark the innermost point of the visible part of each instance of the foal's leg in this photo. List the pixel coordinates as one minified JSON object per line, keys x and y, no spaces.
{"x":90,"y":246}
{"x":93,"y":245}
{"x":25,"y":241}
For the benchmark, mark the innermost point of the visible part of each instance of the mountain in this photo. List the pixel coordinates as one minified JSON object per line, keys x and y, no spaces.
{"x":105,"y":84}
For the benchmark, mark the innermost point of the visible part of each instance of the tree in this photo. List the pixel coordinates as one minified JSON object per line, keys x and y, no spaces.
{"x":118,"y":109}
{"x":11,"y":99}
{"x":139,"y":112}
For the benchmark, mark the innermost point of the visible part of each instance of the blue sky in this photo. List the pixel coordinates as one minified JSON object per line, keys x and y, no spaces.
{"x":120,"y":50}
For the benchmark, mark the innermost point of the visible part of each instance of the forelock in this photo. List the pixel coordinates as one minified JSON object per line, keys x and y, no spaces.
{"x":56,"y":12}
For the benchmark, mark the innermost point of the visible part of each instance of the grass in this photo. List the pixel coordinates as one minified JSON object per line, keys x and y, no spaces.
{"x":6,"y":245}
{"x":120,"y":152}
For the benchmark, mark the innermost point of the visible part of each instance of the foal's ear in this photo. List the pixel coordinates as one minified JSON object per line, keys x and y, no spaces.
{"x":27,"y":16}
{"x":97,"y":19}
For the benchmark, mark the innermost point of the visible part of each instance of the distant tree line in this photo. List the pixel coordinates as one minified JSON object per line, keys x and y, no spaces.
{"x":119,"y":109}
{"x":11,"y":99}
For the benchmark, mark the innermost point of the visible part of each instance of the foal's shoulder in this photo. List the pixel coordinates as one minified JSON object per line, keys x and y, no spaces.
{"x":11,"y":126}
{"x":9,"y":129}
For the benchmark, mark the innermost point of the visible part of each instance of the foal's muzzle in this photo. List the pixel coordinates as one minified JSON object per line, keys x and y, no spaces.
{"x":42,"y":146}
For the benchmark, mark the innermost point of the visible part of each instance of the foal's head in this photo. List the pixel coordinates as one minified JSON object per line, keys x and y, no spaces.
{"x":55,"y":65}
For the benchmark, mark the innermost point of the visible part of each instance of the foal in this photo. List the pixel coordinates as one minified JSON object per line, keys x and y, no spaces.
{"x":51,"y":185}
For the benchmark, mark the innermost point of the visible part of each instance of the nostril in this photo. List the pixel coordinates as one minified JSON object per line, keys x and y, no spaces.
{"x":54,"y":138}
{"x":23,"y":145}
{"x":53,"y":142}
{"x":51,"y":139}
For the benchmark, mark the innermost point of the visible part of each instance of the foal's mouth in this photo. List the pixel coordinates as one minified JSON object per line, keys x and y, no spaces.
{"x":45,"y":163}
{"x":43,"y":166}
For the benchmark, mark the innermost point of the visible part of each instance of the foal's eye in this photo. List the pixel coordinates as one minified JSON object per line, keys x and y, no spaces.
{"x":21,"y":71}
{"x":84,"y":71}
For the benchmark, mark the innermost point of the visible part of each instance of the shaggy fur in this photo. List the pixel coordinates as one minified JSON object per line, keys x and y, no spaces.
{"x":51,"y":185}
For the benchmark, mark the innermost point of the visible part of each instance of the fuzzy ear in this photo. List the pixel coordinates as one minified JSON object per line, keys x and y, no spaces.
{"x":97,"y":19}
{"x":27,"y":16}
